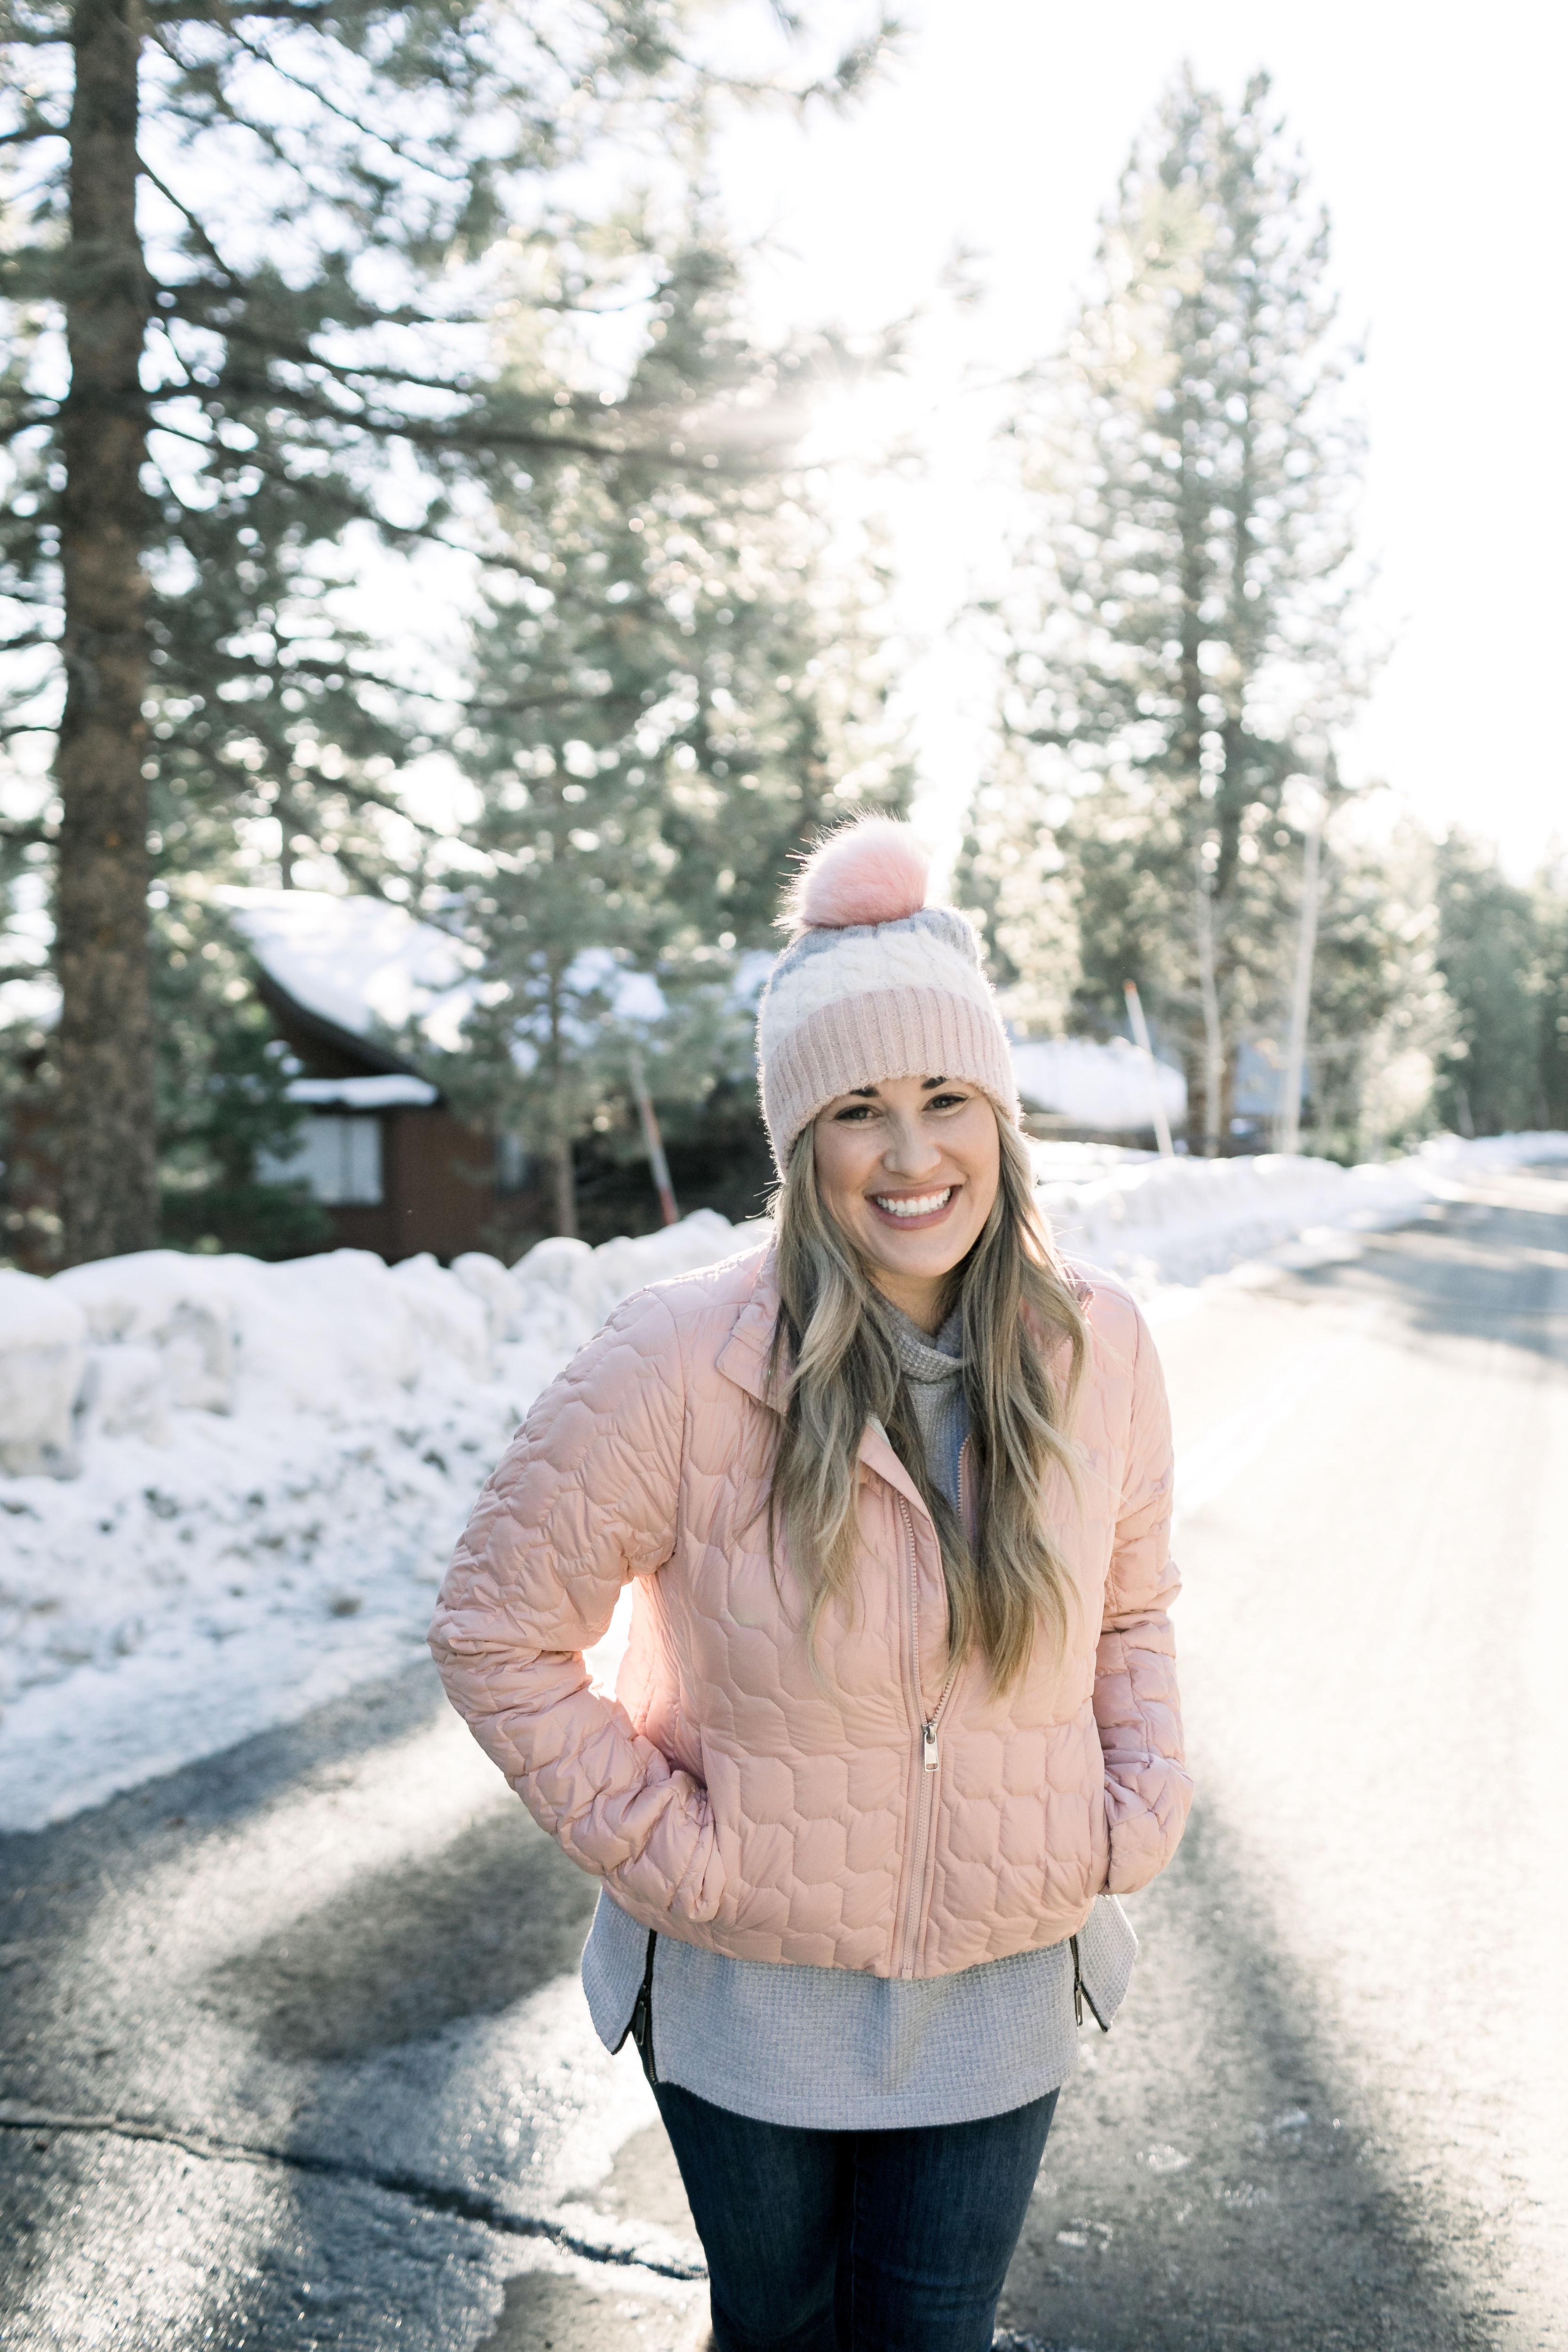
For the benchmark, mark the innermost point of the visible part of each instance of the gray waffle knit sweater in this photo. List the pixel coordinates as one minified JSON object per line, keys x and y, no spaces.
{"x":933,"y":1371}
{"x":834,"y":2050}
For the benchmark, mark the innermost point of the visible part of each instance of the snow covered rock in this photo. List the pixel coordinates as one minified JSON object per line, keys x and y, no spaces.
{"x":449,"y":1318}
{"x":492,"y":1283}
{"x":570,"y":1288}
{"x":124,"y":1393}
{"x":167,"y":1300}
{"x":338,"y":1335}
{"x":43,"y":1353}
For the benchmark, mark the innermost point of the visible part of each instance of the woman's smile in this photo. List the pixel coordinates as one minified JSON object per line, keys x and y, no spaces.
{"x":913,"y":1208}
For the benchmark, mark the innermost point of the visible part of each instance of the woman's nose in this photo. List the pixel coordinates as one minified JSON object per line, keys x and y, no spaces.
{"x":911,"y":1153}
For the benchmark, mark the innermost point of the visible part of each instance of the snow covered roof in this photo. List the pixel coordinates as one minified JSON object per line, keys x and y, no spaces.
{"x":362,"y":964}
{"x":357,"y":962}
{"x":395,"y":1091}
{"x":1110,"y":1087}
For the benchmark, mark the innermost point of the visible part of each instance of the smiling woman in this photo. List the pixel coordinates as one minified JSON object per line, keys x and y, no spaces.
{"x":898,"y":1721}
{"x":907,"y":1171}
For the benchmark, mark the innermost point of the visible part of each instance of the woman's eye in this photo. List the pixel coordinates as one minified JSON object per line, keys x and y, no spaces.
{"x":856,"y":1114}
{"x":945,"y":1102}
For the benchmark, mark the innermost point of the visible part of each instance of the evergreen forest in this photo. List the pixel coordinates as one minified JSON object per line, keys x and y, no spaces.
{"x":399,"y":499}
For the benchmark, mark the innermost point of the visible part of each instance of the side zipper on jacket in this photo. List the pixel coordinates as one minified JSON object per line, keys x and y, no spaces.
{"x":1080,"y":1992}
{"x":931,"y":1764}
{"x":641,"y":2025}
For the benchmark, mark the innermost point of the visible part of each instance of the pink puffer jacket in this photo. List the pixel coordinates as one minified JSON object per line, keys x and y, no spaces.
{"x":728,"y":1799}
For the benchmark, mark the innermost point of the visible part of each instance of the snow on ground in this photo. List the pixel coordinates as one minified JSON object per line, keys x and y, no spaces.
{"x":1161,"y":1222}
{"x":228,"y":1490}
{"x":250,"y":1507}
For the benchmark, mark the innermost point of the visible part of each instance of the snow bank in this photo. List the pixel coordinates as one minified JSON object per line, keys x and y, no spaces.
{"x":258,"y":1475}
{"x":1180,"y":1221}
{"x":227,"y":1489}
{"x":42,"y":1361}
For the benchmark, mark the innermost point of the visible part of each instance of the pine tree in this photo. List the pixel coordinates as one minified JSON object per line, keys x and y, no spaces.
{"x":262,"y":250}
{"x":1490,"y":1080}
{"x":675,"y":686}
{"x":1551,"y":992}
{"x":1381,"y":1017}
{"x":1176,"y":648}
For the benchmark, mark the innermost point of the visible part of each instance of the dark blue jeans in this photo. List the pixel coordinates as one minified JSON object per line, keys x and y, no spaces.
{"x":854,"y":2241}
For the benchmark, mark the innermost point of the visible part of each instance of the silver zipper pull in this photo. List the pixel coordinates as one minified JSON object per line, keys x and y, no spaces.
{"x":929,"y":1755}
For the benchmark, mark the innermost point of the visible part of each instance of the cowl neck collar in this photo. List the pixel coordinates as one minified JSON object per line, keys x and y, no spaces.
{"x":743,"y":1358}
{"x":934,"y":1360}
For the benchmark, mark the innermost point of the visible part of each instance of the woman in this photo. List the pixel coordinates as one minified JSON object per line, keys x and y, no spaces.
{"x":899,"y":1713}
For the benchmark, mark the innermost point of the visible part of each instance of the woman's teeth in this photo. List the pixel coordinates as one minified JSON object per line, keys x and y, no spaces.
{"x":925,"y":1206}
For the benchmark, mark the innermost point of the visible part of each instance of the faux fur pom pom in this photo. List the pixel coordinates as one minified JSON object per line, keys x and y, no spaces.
{"x":873,"y":871}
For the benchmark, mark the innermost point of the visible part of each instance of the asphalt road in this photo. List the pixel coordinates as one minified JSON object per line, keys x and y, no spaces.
{"x":293,"y":2053}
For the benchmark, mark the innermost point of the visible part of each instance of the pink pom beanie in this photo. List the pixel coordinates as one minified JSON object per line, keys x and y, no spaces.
{"x":873,"y":984}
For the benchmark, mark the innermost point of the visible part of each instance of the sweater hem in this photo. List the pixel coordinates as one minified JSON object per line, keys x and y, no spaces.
{"x":895,"y":2112}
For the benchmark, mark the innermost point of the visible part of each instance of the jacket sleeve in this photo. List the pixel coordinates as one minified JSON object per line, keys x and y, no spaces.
{"x":1147,"y":1787}
{"x":584,"y":1498}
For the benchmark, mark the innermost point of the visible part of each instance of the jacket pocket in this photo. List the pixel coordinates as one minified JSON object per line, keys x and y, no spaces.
{"x":754,"y":1860}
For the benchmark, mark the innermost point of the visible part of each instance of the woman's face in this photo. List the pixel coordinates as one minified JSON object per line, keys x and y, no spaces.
{"x":908,"y":1172}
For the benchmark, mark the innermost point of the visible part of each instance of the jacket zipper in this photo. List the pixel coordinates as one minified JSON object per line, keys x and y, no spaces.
{"x":931,"y":1763}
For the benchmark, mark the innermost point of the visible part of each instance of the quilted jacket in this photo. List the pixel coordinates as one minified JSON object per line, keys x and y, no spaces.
{"x":876,"y":1817}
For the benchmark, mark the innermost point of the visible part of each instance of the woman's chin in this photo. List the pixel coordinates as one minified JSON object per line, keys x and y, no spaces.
{"x":915,"y":1257}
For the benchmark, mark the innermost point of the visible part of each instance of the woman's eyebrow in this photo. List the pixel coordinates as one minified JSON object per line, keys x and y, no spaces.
{"x":927,"y":1085}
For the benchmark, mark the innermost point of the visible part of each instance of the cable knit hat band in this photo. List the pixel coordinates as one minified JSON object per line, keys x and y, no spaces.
{"x":875,"y":984}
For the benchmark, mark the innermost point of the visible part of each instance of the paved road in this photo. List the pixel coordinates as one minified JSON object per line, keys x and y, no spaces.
{"x":293,"y":2053}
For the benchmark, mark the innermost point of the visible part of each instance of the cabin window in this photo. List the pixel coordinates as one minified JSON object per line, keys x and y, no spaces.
{"x":337,"y":1158}
{"x":513,"y":1174}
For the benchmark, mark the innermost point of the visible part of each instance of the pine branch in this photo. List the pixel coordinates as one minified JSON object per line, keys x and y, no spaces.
{"x":191,"y":222}
{"x":349,"y":373}
{"x":177,"y":433}
{"x":292,"y":12}
{"x":418,"y":431}
{"x":41,"y":412}
{"x":365,"y":130}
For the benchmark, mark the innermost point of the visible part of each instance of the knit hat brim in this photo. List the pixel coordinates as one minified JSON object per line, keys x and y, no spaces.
{"x":878,"y":1033}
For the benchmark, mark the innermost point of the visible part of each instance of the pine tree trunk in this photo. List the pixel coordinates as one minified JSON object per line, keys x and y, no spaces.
{"x":105,"y":1104}
{"x":563,"y":1184}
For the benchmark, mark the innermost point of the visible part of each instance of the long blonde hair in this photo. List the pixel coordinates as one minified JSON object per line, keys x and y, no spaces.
{"x":833,"y":1367}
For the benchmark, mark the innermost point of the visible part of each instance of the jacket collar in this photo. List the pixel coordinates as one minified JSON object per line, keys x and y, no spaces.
{"x":744,"y":1358}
